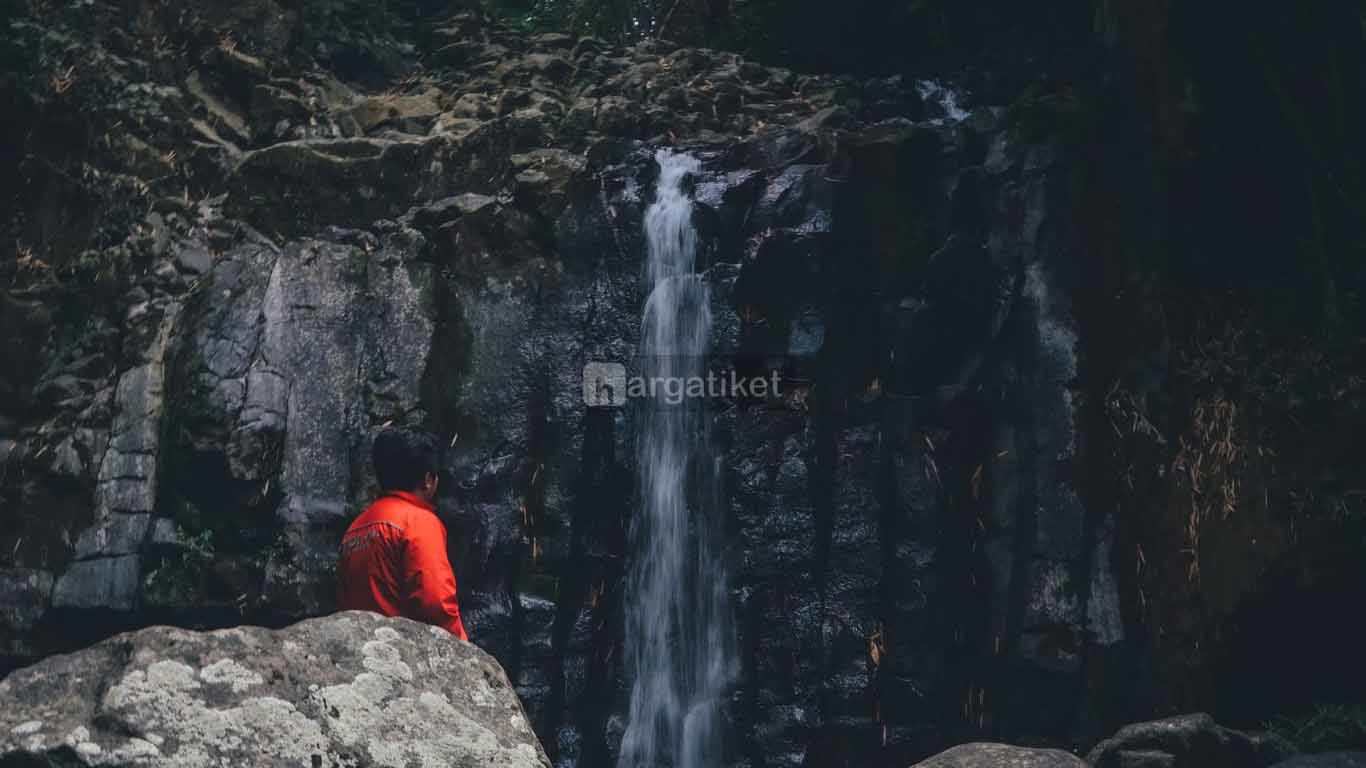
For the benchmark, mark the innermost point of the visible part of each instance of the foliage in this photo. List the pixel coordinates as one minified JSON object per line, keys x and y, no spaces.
{"x":13,"y":49}
{"x":857,"y":36}
{"x":1326,"y":728}
{"x":176,"y":578}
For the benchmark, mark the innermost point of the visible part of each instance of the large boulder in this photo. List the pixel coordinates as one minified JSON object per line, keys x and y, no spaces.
{"x":1187,"y":741}
{"x":351,"y":689}
{"x":986,"y":755}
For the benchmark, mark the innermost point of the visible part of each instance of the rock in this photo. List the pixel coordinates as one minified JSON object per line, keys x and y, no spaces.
{"x":66,"y":460}
{"x":553,"y":41}
{"x":24,"y":594}
{"x":59,"y":388}
{"x":544,"y":176}
{"x":1187,"y":741}
{"x":412,"y":113}
{"x":291,"y":185}
{"x":233,"y":61}
{"x":589,"y":45}
{"x":449,"y":209}
{"x":462,"y":25}
{"x":348,"y":689}
{"x":116,"y":535}
{"x":796,"y":198}
{"x":617,"y":116}
{"x":579,"y":119}
{"x":475,"y":105}
{"x":513,"y":99}
{"x":830,"y":118}
{"x":986,"y":755}
{"x":461,"y":53}
{"x":272,"y":105}
{"x":1146,"y":758}
{"x":107,"y":582}
{"x":219,"y":113}
{"x":456,"y":127}
{"x":165,"y":533}
{"x":554,"y":68}
{"x":191,"y":256}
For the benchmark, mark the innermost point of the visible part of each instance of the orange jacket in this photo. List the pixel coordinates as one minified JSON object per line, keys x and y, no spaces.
{"x":393,"y":561}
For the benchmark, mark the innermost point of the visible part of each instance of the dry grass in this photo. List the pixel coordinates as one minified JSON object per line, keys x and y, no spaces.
{"x":1260,"y":390}
{"x":61,"y":82}
{"x":876,"y":649}
{"x":1209,"y":460}
{"x":26,"y":263}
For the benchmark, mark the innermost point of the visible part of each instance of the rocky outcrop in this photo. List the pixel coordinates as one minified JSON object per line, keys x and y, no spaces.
{"x":348,"y":689}
{"x":1001,"y":756}
{"x":277,"y":250}
{"x":1186,"y":740}
{"x":182,"y":321}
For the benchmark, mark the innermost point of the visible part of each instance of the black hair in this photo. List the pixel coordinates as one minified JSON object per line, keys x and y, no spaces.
{"x":403,"y":458}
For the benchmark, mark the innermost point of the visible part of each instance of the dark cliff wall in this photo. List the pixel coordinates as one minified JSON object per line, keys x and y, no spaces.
{"x":1029,"y":479}
{"x":1221,"y":207}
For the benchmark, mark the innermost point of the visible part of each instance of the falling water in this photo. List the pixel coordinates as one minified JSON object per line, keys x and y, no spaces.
{"x":947,"y":99}
{"x":677,"y":628}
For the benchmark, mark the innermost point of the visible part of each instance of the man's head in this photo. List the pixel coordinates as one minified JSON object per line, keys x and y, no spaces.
{"x":406,"y":460}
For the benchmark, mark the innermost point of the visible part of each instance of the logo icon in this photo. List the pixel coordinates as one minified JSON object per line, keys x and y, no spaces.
{"x":604,"y":384}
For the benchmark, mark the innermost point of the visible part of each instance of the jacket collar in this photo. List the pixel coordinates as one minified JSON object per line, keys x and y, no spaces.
{"x":411,"y":498}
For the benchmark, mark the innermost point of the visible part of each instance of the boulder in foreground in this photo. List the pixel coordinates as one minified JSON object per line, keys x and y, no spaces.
{"x":1187,"y":741}
{"x":352,"y":689}
{"x":986,"y":755}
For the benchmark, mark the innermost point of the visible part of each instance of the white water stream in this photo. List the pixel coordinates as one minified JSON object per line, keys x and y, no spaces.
{"x":677,"y":623}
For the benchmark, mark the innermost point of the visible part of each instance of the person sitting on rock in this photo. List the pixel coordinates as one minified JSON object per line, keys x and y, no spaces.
{"x":393,"y":557}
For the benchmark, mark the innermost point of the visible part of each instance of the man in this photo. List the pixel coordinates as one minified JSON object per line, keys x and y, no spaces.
{"x":393,"y":557}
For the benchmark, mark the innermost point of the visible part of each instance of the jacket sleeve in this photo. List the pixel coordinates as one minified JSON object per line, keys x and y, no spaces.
{"x":428,"y":578}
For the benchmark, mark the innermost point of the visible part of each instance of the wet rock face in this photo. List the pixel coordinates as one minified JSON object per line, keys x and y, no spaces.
{"x":352,"y":688}
{"x":287,"y":359}
{"x":909,"y":560}
{"x":912,"y":561}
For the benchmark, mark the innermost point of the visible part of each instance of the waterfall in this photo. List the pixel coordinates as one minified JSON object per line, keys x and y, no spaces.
{"x":946,"y":98}
{"x":677,"y":625}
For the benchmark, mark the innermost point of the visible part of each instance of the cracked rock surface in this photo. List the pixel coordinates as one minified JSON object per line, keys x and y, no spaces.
{"x":351,"y":689}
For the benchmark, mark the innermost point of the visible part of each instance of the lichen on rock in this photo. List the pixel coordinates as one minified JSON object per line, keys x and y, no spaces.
{"x":348,"y":689}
